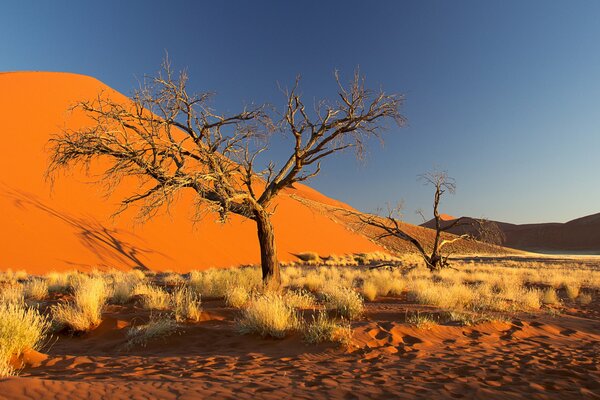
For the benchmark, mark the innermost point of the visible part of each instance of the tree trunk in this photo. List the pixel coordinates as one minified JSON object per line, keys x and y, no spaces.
{"x":268,"y":251}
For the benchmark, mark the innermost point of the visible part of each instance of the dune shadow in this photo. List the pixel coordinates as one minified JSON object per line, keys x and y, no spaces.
{"x":110,"y":245}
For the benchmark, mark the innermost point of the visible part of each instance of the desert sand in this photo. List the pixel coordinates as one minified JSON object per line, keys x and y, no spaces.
{"x":532,"y":355}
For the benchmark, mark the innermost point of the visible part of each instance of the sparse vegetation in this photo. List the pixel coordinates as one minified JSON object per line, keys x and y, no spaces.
{"x":299,"y":299}
{"x":268,"y":315}
{"x":21,"y":328}
{"x":237,"y":297}
{"x":549,"y":297}
{"x":36,"y":289}
{"x":584,"y":299}
{"x":157,"y":327}
{"x":85,"y":311}
{"x":324,"y":329}
{"x":153,"y":297}
{"x":421,"y":320}
{"x":345,"y":301}
{"x":186,"y":305}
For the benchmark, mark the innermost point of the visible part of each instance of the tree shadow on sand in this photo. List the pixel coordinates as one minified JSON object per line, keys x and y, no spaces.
{"x":108,"y":244}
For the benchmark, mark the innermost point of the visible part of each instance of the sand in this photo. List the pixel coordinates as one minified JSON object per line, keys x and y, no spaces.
{"x":538,"y":356}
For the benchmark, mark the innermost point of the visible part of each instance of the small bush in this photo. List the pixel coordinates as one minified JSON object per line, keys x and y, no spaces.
{"x":324,"y":329}
{"x":312,"y":281}
{"x":369,"y":290}
{"x":549,"y":297}
{"x":396,"y":287}
{"x":237,"y":297}
{"x":299,"y":299}
{"x":268,"y":315}
{"x":186,"y":305}
{"x":85,"y":311}
{"x":122,"y":291}
{"x":421,"y":321}
{"x":21,"y":328}
{"x":36,"y":289}
{"x":347,"y":302}
{"x":157,"y":327}
{"x":572,"y":290}
{"x":57,"y":282}
{"x":173,"y":279}
{"x":12,"y":294}
{"x":584,"y":299}
{"x":152,"y":297}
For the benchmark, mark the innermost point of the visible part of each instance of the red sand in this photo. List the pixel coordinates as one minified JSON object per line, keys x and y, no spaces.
{"x":70,"y":227}
{"x":535,"y":356}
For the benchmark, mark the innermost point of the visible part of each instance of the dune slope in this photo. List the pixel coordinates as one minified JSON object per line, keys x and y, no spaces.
{"x":69,"y":226}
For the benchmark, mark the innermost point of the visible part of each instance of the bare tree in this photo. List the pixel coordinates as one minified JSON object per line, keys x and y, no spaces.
{"x":437,"y":258}
{"x":488,"y":231}
{"x":170,"y":140}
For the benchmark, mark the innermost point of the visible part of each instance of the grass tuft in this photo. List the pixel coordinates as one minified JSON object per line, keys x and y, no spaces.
{"x":268,"y":315}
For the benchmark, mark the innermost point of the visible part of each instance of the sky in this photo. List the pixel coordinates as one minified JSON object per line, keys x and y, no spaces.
{"x":504,"y":95}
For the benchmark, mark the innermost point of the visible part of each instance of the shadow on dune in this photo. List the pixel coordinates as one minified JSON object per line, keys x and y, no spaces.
{"x":110,"y":245}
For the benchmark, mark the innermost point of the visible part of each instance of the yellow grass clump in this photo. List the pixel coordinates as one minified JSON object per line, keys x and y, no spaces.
{"x":369,"y":290}
{"x":21,"y":328}
{"x":324,"y":329}
{"x":237,"y":297}
{"x":152,"y":297}
{"x":157,"y":327}
{"x":299,"y":299}
{"x":268,"y":315}
{"x":36,"y":289}
{"x":186,"y":305}
{"x":85,"y":311}
{"x":345,"y":301}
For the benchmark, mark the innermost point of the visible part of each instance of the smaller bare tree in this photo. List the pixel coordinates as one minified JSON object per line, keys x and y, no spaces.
{"x":437,"y":258}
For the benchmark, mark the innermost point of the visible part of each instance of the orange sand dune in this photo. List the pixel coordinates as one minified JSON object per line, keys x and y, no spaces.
{"x":70,"y":226}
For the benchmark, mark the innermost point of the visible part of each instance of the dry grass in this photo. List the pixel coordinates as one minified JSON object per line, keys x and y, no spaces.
{"x":369,"y":290}
{"x":216,"y":282}
{"x":421,"y":320}
{"x":584,"y":299}
{"x":299,"y":299}
{"x":36,"y":289}
{"x":324,"y":329}
{"x":12,"y":294}
{"x":268,"y":315}
{"x":58,"y":282}
{"x":157,"y":327}
{"x":549,"y":297}
{"x":21,"y":328}
{"x":153,"y":297}
{"x":237,"y":297}
{"x":85,"y":311}
{"x":345,"y":301}
{"x":186,"y":305}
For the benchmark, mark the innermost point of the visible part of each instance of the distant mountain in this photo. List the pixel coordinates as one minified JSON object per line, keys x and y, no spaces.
{"x":579,"y":236}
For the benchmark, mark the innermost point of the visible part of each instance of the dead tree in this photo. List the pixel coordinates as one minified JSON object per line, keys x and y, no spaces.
{"x":487,"y":231}
{"x":437,"y":258}
{"x":169,"y":139}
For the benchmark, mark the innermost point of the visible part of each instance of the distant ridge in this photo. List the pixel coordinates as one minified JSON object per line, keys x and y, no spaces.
{"x":579,"y":236}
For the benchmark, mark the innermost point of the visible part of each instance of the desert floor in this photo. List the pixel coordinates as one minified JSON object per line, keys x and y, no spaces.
{"x":553,"y":353}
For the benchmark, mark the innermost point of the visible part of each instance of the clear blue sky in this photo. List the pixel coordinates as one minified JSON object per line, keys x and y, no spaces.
{"x":505,"y":95}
